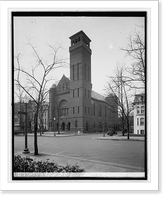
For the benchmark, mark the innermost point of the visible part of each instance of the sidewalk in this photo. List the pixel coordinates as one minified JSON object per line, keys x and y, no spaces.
{"x":87,"y":165}
{"x":120,"y":137}
{"x":51,"y":134}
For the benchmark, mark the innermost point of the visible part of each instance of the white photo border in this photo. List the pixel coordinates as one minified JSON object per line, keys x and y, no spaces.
{"x":5,"y":148}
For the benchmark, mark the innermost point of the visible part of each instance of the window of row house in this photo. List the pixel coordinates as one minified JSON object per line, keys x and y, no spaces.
{"x":142,"y":132}
{"x":141,"y":122}
{"x":137,"y":121}
{"x":140,"y":109}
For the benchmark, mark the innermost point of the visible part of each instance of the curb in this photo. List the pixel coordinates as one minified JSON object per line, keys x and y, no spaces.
{"x":121,"y":139}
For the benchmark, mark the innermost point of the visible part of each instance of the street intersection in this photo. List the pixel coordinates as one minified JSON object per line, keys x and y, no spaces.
{"x":91,"y":151}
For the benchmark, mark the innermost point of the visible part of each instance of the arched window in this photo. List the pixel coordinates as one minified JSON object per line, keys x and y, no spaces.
{"x":62,"y":107}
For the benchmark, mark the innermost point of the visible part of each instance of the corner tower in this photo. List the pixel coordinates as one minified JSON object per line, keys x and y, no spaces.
{"x":80,"y":80}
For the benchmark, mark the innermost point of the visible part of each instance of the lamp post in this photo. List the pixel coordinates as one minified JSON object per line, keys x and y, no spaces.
{"x":103,"y":129}
{"x":54,"y":125}
{"x":26,"y":150}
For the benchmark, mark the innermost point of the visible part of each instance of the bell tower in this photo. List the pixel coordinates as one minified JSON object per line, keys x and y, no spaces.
{"x":80,"y":80}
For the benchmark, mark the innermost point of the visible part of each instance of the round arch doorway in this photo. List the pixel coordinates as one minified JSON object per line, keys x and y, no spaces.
{"x":63,"y":126}
{"x":69,"y":126}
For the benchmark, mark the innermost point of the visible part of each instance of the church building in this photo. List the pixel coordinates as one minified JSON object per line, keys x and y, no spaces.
{"x":73,"y":105}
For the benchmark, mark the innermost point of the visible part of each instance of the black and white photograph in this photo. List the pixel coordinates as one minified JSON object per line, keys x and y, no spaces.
{"x":79,"y":95}
{"x":79,"y":84}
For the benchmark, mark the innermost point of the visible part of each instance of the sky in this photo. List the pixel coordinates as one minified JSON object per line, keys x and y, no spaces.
{"x":107,"y":34}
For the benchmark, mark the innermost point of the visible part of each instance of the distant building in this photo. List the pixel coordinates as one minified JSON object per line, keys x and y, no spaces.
{"x":73,"y":105}
{"x":19,"y":117}
{"x":139,"y":114}
{"x":43,"y":116}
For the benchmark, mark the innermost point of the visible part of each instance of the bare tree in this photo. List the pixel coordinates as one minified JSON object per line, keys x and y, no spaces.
{"x":35,"y":85}
{"x":136,"y":50}
{"x":119,"y":88}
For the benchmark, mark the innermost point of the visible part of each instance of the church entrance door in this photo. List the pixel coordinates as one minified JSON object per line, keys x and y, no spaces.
{"x":69,"y":126}
{"x":63,"y":126}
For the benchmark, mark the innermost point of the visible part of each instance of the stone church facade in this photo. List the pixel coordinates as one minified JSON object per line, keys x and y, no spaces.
{"x":73,"y":105}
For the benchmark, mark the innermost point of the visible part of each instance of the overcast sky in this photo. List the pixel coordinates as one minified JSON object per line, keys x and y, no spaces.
{"x":108,"y":35}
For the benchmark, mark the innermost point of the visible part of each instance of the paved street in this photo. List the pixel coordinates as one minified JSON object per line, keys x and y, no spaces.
{"x":99,"y":154}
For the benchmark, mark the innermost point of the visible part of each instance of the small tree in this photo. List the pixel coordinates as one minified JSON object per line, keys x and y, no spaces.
{"x":33,"y":84}
{"x":118,"y":87}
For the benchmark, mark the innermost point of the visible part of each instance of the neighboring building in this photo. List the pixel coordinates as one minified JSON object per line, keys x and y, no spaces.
{"x":43,"y":116}
{"x":139,"y":114}
{"x":73,"y":106}
{"x":19,"y":117}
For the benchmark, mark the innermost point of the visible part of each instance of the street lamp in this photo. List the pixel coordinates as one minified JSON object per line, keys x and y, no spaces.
{"x":26,"y":150}
{"x":54,"y":125}
{"x":103,"y":129}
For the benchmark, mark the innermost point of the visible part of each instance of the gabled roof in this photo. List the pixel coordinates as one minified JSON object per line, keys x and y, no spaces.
{"x":64,"y":78}
{"x":54,"y":85}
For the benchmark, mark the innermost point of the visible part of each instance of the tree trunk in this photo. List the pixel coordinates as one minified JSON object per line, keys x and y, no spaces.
{"x":128,"y":129}
{"x":40,"y":130}
{"x":35,"y":135}
{"x":123,"y":128}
